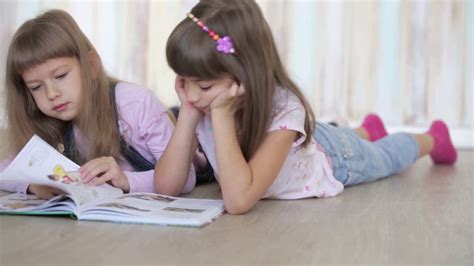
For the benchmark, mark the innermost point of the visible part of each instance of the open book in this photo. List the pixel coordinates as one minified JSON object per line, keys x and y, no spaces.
{"x":39,"y":163}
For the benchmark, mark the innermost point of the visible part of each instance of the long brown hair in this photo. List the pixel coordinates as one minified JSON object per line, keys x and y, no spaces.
{"x":256,"y":63}
{"x":55,"y":34}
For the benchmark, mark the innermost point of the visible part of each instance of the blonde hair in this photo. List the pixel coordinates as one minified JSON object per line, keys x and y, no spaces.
{"x":256,"y":63}
{"x":55,"y":34}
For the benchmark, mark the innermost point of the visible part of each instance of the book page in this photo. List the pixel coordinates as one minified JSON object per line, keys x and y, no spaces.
{"x":85,"y":195}
{"x":22,"y":203}
{"x":156,"y":209}
{"x":39,"y":163}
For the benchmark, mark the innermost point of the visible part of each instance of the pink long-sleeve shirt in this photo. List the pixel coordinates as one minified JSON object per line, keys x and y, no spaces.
{"x":145,"y":125}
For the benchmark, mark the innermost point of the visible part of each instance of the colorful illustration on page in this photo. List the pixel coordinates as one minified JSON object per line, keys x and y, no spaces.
{"x":59,"y":174}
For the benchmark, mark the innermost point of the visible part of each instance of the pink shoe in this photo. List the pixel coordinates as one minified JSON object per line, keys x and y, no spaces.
{"x":374,"y":126}
{"x":443,"y":150}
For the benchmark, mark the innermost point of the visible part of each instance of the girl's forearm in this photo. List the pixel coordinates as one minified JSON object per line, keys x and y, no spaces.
{"x":173,"y":168}
{"x":235,"y":174}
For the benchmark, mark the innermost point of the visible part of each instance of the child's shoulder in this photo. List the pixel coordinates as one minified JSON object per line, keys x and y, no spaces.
{"x":288,"y":112}
{"x":285,"y":99}
{"x":130,"y":94}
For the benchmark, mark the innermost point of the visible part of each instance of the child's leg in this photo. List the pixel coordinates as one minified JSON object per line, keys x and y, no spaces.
{"x":387,"y":156}
{"x":425,"y":141}
{"x":373,"y":129}
{"x":437,"y":143}
{"x":357,"y":161}
{"x":396,"y":152}
{"x":425,"y":144}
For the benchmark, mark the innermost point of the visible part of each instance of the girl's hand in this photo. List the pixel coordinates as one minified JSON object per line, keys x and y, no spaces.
{"x":104,"y":169}
{"x":187,"y":109}
{"x":43,"y":192}
{"x":226,"y":98}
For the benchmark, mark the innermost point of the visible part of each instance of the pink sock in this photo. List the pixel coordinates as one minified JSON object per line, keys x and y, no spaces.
{"x":374,"y":126}
{"x":443,"y":150}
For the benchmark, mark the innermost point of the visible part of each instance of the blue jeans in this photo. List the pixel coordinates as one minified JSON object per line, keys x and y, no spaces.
{"x":356,"y":161}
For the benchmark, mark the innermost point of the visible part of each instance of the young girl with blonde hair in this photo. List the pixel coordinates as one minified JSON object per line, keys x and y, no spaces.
{"x":255,"y":125}
{"x":57,"y":88}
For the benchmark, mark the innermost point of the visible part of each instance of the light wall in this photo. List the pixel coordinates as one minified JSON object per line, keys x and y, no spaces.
{"x":409,"y":61}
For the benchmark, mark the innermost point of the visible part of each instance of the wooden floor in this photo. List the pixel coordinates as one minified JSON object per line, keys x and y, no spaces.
{"x":422,"y":216}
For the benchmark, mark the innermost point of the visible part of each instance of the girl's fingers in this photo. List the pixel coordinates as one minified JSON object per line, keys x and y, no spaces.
{"x":87,"y":178}
{"x":100,"y":180}
{"x":100,"y":170}
{"x":236,"y":90}
{"x":115,"y":177}
{"x":48,"y":193}
{"x":87,"y":167}
{"x":241,"y":90}
{"x":95,"y":167}
{"x":179,"y":87}
{"x":179,"y":82}
{"x":226,"y":97}
{"x":181,"y":94}
{"x":45,"y":195}
{"x":233,"y":89}
{"x":55,"y":191}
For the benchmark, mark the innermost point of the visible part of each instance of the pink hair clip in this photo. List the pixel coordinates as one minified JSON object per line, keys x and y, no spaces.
{"x":223,"y":45}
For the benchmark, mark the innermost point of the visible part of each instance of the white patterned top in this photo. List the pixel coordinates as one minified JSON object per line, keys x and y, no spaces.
{"x":305,"y":173}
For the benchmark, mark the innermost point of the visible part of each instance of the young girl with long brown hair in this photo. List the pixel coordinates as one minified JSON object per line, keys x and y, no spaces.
{"x":255,"y":125}
{"x":57,"y":88}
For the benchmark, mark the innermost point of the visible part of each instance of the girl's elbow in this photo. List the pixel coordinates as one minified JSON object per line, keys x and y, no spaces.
{"x":238,"y":207}
{"x":235,"y":211}
{"x":166,"y":190}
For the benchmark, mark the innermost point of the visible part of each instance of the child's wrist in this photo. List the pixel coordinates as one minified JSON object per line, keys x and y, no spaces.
{"x":222,"y":113}
{"x":189,"y":116}
{"x":188,"y":119}
{"x":222,"y":119}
